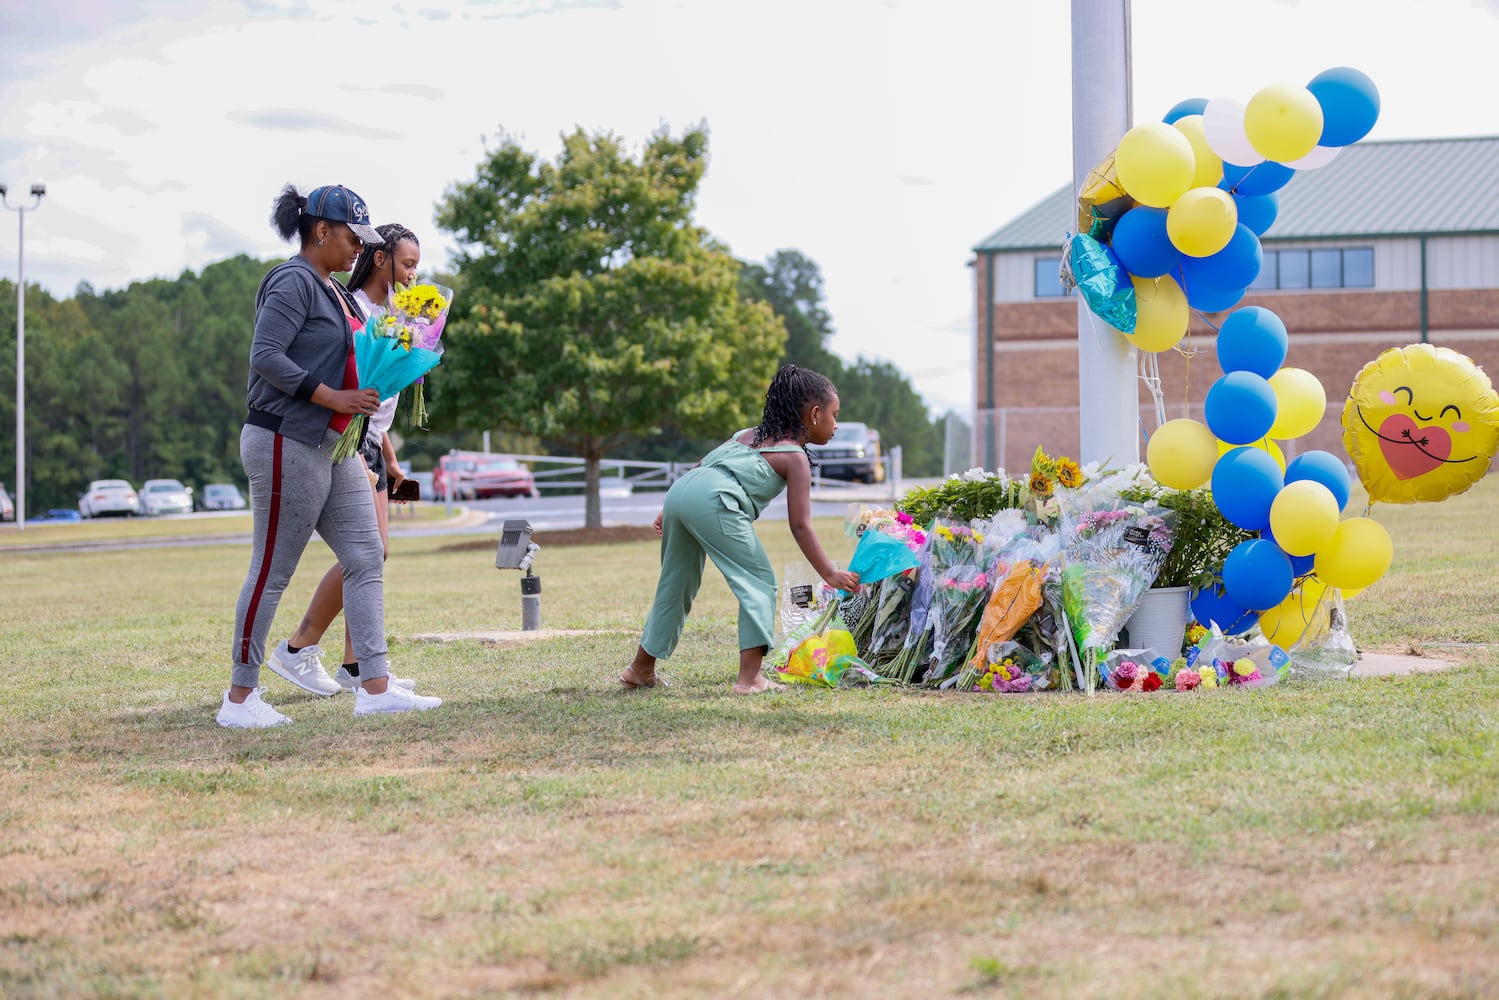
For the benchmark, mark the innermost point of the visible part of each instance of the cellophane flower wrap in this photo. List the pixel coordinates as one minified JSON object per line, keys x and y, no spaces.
{"x":950,"y":593}
{"x":820,"y":652}
{"x":1019,"y":574}
{"x":388,"y":360}
{"x":1111,"y":555}
{"x":886,"y":602}
{"x":421,"y":310}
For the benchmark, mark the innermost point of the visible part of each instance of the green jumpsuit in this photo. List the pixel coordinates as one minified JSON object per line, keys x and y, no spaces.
{"x":711,"y":512}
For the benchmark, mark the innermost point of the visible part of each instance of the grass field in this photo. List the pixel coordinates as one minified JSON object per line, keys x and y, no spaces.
{"x":546,"y":834}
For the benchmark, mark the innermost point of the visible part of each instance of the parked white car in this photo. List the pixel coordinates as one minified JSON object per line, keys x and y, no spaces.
{"x":165,"y":496}
{"x":7,"y":506}
{"x":108,"y":496}
{"x":222,"y":496}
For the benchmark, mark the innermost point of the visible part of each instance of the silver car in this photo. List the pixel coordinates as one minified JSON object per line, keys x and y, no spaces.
{"x":165,"y":496}
{"x":108,"y":496}
{"x":222,"y":496}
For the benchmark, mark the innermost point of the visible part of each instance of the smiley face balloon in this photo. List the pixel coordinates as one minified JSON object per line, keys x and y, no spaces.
{"x":1421,"y":424}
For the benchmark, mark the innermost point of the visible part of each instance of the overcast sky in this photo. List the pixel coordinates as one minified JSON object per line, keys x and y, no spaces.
{"x":882,"y":139}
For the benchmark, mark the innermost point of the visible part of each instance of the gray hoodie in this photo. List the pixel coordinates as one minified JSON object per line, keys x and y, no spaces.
{"x":302,"y":339}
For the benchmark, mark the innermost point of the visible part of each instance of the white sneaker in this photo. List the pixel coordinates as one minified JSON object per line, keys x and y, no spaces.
{"x":302,"y":668}
{"x":395,"y":699}
{"x":252,"y":713}
{"x":349,"y":682}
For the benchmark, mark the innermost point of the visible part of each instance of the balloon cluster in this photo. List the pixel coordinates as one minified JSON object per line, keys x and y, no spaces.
{"x":1179,"y":208}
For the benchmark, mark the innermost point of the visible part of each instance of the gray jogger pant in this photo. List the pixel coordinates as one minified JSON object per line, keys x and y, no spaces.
{"x":294,"y":489}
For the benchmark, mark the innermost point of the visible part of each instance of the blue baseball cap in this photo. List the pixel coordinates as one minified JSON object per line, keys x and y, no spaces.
{"x":336,"y":203}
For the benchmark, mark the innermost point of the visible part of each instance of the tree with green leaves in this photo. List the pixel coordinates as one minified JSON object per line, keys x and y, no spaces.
{"x":592,"y":309}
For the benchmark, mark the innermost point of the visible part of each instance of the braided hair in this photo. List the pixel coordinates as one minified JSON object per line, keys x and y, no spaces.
{"x":391,"y":235}
{"x":791,"y":392}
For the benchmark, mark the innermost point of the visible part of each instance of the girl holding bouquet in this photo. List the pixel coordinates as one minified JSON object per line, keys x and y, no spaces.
{"x":710,"y":512}
{"x":380,"y":267}
{"x":303,"y":390}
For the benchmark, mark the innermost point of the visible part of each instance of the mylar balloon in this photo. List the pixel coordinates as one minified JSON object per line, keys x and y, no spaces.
{"x":1211,"y":607}
{"x":1421,"y":423}
{"x":1285,"y":623}
{"x":1252,"y":339}
{"x":1101,"y":282}
{"x":1358,"y":554}
{"x":1283,"y":122}
{"x":1209,"y":167}
{"x":1141,"y":243}
{"x":1240,"y":407}
{"x":1102,"y":200}
{"x":1181,"y":454}
{"x":1161,"y":314}
{"x":1300,"y":403}
{"x":1244,"y":484}
{"x":1350,"y":105}
{"x":1155,"y":163}
{"x":1223,"y":124}
{"x":1322,"y":467}
{"x":1303,"y":517}
{"x":1257,"y":575}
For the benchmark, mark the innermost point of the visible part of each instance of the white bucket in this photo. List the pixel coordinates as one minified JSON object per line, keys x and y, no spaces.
{"x":1159,"y":622}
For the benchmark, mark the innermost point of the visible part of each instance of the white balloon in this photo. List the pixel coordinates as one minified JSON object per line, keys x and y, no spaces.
{"x":1223,"y":126}
{"x":1318,"y":157}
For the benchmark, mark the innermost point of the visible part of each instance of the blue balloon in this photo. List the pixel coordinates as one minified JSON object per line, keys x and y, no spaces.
{"x":1212,"y":608}
{"x":1262,"y":178}
{"x":1209,"y":298}
{"x":1240,"y":408}
{"x":1300,"y":565}
{"x":1181,"y":109}
{"x":1235,"y":266}
{"x":1252,"y":339}
{"x":1258,"y":212}
{"x":1244,"y":484}
{"x":1257,"y":574}
{"x":1321,"y":467}
{"x":1350,"y":105}
{"x":1141,"y":243}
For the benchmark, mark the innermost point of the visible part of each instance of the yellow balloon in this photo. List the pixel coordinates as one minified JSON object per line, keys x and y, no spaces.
{"x":1202,"y":221}
{"x":1209,"y":165}
{"x":1358,"y":553}
{"x":1352,"y":592}
{"x":1421,"y":424}
{"x":1303,"y":517}
{"x":1283,"y":122}
{"x":1263,"y":444}
{"x":1161,"y":314}
{"x":1181,"y":454}
{"x":1155,"y":163}
{"x":1300,"y":402}
{"x":1287,"y":621}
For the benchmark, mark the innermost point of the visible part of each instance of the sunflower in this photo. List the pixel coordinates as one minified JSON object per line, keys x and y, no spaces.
{"x":1040,"y":486}
{"x":1069,"y":473}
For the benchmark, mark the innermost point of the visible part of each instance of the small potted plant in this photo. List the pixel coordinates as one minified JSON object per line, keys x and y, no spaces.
{"x":1201,"y":539}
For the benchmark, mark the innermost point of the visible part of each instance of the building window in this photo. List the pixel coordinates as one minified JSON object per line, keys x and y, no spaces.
{"x":1049,"y":278}
{"x":1351,"y":267}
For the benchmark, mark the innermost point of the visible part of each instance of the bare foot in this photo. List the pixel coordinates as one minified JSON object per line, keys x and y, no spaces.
{"x":760,"y":685}
{"x":632,"y":681}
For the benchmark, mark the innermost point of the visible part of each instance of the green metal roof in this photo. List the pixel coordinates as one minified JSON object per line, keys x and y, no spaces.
{"x":1390,"y":188}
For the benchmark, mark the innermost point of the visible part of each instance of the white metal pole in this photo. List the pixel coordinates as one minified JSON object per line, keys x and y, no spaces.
{"x":1108,"y":411}
{"x":21,"y":374}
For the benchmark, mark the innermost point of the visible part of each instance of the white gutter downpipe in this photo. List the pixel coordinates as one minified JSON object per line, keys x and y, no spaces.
{"x":1108,"y":393}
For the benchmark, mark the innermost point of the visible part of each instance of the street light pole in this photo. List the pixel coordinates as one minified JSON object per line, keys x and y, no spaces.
{"x":37,"y":191}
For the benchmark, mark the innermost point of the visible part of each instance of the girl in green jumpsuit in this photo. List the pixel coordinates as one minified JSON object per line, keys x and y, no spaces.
{"x":710,"y":513}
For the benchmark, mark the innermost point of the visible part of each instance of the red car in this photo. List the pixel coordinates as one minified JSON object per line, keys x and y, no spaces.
{"x":476,"y":475}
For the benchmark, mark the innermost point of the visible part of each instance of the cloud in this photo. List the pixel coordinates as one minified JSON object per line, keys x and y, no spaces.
{"x":402,"y":90}
{"x":308,"y":121}
{"x":123,"y":120}
{"x":212,"y":238}
{"x":910,"y":180}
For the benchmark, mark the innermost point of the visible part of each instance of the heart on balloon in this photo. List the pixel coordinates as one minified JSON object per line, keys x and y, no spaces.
{"x":1410,"y":449}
